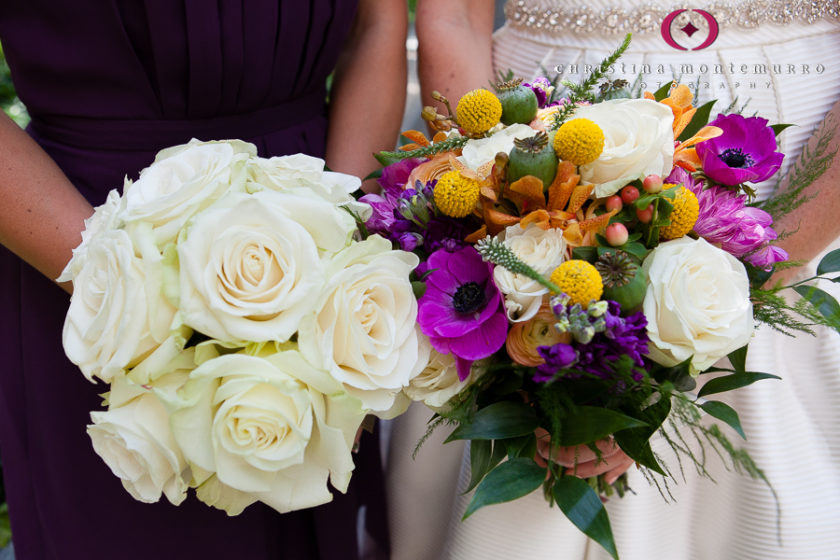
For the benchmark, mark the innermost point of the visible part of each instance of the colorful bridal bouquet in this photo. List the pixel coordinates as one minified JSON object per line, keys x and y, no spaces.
{"x":584,"y":263}
{"x":243,"y":329}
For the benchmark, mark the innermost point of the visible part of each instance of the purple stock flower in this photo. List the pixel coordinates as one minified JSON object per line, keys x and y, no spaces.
{"x":461,"y":311}
{"x":746,"y":151}
{"x":621,"y":336}
{"x":726,"y":221}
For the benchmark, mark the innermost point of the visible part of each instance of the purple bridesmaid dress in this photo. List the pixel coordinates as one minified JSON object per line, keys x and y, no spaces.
{"x":109,"y":83}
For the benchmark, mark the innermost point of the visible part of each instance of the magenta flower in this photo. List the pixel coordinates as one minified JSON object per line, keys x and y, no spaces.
{"x":726,"y":221}
{"x":542,"y":88}
{"x":461,"y":311}
{"x":746,"y":151}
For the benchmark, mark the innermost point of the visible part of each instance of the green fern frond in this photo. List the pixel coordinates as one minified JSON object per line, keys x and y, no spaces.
{"x":452,"y":143}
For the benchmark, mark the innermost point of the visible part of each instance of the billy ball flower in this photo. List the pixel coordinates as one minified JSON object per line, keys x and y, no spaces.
{"x":579,"y":141}
{"x":461,"y":310}
{"x":579,"y":280}
{"x":456,"y":195}
{"x":684,"y":216}
{"x":746,"y":151}
{"x":478,"y":111}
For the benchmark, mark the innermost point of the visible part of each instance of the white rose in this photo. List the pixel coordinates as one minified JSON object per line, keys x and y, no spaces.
{"x":438,"y":382}
{"x":272,"y":427}
{"x":134,"y":439}
{"x":697,"y":303}
{"x":299,"y":171}
{"x":364,"y":331}
{"x":251,"y":266}
{"x":544,"y":250}
{"x":182,"y":181}
{"x":483,"y":150}
{"x":104,"y":218}
{"x":638,"y":141}
{"x":117,"y":315}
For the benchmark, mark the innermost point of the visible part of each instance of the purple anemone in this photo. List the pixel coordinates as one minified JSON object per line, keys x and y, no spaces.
{"x":746,"y":151}
{"x":461,"y":311}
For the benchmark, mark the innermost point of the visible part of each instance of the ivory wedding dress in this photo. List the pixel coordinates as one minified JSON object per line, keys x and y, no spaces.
{"x":791,"y":425}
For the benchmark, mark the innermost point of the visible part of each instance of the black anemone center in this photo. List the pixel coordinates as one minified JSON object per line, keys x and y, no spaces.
{"x":469,"y":298}
{"x":734,"y":157}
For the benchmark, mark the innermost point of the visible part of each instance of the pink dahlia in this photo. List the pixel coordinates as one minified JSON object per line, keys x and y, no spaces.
{"x":461,"y":311}
{"x":726,"y":221}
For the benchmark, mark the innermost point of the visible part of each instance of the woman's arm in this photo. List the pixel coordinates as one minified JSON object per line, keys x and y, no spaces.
{"x":41,"y":214}
{"x":817,"y":222}
{"x":368,"y":93}
{"x":455,"y":53}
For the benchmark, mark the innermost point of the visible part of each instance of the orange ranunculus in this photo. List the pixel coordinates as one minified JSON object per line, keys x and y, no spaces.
{"x":524,"y":337}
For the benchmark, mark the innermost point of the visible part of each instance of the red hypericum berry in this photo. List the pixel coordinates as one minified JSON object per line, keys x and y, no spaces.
{"x":616,"y":234}
{"x":614,"y":202}
{"x":646,"y":215}
{"x":652,"y":184}
{"x":629,"y":194}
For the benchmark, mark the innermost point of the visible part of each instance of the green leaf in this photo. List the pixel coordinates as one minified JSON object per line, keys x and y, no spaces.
{"x":735,"y":381}
{"x":679,"y":375}
{"x":376,"y":174}
{"x":584,"y":508}
{"x":501,"y":420}
{"x":637,"y":250}
{"x":524,"y":446}
{"x":635,"y":442}
{"x":824,"y":302}
{"x":698,"y":121}
{"x":509,"y":481}
{"x":777,"y":128}
{"x":724,"y":412}
{"x":662,"y":92}
{"x":480,"y":457}
{"x":585,"y":253}
{"x":829,"y":263}
{"x":738,"y":359}
{"x":587,"y":424}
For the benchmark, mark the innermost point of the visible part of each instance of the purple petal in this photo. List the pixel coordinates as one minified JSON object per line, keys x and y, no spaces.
{"x":483,"y":341}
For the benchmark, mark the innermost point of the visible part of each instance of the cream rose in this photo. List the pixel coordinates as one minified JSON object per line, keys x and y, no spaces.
{"x":116,"y":315}
{"x":477,"y":153}
{"x":543,"y":250}
{"x":134,"y":439}
{"x":272,"y":427}
{"x":251,"y":266}
{"x":182,"y":181}
{"x":104,"y":218}
{"x":697,"y":303}
{"x":638,"y":141}
{"x":364,"y":330}
{"x":438,"y":382}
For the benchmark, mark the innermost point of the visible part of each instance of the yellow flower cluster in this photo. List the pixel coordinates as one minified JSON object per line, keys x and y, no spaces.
{"x":579,"y":280}
{"x":684,"y":216}
{"x":579,"y":141}
{"x":478,"y":111}
{"x":456,"y":195}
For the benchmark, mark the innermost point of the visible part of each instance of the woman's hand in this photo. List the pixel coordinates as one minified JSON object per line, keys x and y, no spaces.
{"x":584,"y":461}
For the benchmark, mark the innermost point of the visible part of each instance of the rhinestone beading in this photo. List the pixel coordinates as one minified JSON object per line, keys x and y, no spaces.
{"x":546,"y":18}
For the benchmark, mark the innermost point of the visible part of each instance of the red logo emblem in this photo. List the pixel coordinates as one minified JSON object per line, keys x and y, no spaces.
{"x":689,"y":30}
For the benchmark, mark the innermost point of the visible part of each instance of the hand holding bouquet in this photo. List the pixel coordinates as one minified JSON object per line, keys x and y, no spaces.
{"x":243,"y":330}
{"x":586,"y":261}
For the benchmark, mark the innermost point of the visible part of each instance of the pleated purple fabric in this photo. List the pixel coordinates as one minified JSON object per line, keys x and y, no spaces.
{"x":109,"y":83}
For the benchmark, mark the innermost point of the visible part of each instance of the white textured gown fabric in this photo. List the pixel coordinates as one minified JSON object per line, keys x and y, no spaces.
{"x":792,"y":425}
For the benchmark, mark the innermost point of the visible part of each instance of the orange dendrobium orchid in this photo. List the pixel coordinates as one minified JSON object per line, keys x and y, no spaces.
{"x":685,"y":155}
{"x":679,"y":101}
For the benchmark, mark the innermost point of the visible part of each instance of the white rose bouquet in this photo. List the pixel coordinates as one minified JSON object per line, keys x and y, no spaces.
{"x":587,"y":261}
{"x":244,"y":327}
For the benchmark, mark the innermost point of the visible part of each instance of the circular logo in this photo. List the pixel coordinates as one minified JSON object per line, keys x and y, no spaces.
{"x":689,"y":30}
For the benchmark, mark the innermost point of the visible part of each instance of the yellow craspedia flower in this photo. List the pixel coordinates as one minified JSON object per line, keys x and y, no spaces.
{"x":456,"y":195}
{"x":684,"y":216}
{"x":478,"y":111}
{"x":579,"y":141}
{"x":579,"y":280}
